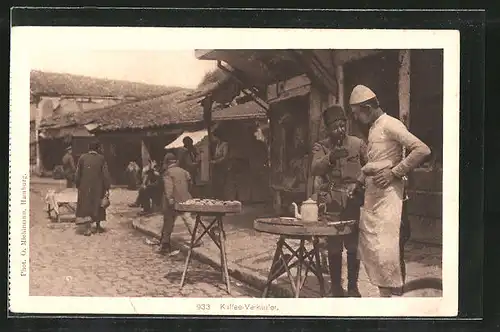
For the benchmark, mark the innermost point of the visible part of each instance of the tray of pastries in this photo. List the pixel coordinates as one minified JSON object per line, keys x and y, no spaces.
{"x":209,"y":205}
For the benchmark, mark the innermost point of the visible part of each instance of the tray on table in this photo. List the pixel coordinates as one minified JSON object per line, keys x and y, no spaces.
{"x":208,"y":208}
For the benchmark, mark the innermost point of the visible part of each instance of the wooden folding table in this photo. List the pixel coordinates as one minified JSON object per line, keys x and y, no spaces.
{"x":215,"y":214}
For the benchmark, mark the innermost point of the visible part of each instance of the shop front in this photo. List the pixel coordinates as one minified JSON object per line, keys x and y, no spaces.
{"x":308,"y":81}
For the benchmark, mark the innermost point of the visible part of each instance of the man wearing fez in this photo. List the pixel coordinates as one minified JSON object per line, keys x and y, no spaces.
{"x":336,"y":163}
{"x":383,"y":177}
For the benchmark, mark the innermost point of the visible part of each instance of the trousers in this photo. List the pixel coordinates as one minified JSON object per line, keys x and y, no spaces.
{"x":336,"y":244}
{"x":169,"y":216}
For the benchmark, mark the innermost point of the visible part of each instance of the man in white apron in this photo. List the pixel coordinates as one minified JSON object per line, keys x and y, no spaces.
{"x":379,"y":227}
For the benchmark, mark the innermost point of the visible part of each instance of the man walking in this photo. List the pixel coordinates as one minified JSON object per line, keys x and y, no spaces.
{"x":93,"y":183}
{"x":69,"y":167}
{"x":383,"y":175}
{"x":336,"y":164}
{"x":177,"y":182}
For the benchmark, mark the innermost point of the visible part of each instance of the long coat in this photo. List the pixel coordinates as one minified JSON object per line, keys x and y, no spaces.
{"x":92,"y":180}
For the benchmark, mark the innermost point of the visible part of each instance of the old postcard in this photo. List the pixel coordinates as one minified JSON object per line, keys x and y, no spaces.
{"x":261,"y":172}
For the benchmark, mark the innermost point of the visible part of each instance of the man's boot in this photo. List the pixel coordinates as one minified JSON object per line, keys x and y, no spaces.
{"x":335,"y":267}
{"x":352,"y":276}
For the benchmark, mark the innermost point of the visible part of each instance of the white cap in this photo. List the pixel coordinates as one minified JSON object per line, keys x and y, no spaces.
{"x":360,"y":94}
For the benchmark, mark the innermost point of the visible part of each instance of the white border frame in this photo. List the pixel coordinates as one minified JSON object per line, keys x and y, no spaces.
{"x":28,"y":39}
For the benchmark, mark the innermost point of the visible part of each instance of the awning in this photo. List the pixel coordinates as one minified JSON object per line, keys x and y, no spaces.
{"x":196,"y":136}
{"x":270,"y":66}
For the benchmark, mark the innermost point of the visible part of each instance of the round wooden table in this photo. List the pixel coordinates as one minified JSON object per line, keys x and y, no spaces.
{"x":303,"y":258}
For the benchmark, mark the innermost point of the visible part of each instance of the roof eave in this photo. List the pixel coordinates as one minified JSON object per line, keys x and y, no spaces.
{"x":205,"y":54}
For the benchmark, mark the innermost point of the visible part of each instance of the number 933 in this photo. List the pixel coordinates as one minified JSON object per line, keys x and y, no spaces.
{"x":203,"y":306}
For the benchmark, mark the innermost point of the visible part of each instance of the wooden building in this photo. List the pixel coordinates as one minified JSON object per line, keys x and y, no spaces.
{"x":59,"y":98}
{"x":140,"y":131}
{"x":296,"y":85}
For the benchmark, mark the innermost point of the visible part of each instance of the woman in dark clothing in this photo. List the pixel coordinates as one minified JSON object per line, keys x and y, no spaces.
{"x":93,"y":182}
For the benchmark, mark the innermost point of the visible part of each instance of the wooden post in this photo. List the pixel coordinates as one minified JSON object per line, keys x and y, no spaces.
{"x":144,"y":154}
{"x":315,"y":108}
{"x":38,"y":118}
{"x":44,"y":106}
{"x":207,"y":118}
{"x":207,"y":103}
{"x":404,"y":87}
{"x":339,"y":73}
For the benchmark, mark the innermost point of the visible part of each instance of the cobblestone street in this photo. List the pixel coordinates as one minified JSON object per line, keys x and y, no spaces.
{"x":118,"y":262}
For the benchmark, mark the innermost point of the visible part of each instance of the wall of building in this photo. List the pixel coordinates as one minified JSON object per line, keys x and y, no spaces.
{"x":426,"y":105}
{"x":48,"y":106}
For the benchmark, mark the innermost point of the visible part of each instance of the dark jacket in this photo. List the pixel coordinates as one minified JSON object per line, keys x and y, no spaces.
{"x":332,"y":178}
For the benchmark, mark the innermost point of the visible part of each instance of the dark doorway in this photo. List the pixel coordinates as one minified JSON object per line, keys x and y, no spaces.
{"x":52,"y":152}
{"x":118,"y":153}
{"x":380,"y":73}
{"x":290,"y":135}
{"x":156,"y":146}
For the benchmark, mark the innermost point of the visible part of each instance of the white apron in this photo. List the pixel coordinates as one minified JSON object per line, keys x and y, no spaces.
{"x":380,"y":217}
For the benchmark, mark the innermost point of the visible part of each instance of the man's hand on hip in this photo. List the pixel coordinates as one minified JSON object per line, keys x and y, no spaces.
{"x":384,"y":178}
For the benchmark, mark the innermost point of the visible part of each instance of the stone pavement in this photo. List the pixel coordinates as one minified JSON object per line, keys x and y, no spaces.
{"x":250,"y":254}
{"x":117,"y":263}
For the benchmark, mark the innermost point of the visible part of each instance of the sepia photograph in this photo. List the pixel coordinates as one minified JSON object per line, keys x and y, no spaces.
{"x":235,"y":180}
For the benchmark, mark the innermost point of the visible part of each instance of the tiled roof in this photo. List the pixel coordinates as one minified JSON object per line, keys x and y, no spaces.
{"x":156,"y":112}
{"x":56,"y":84}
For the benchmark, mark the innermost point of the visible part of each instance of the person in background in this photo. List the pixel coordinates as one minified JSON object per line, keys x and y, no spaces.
{"x":69,"y":167}
{"x":176,"y":183}
{"x":152,"y":187}
{"x":383,"y":178}
{"x":336,"y":166}
{"x":220,"y":167}
{"x":188,"y":157}
{"x":148,"y":177}
{"x":133,"y":175}
{"x":93,"y":182}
